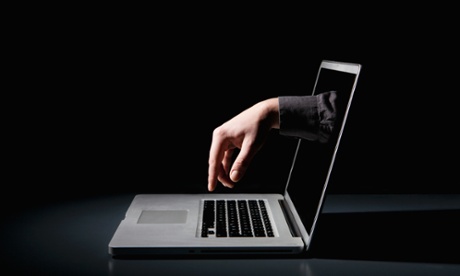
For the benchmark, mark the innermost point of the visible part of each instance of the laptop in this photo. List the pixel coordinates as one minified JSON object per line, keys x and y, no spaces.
{"x":251,"y":223}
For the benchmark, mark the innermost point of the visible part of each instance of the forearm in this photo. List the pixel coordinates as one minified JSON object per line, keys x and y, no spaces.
{"x":307,"y":117}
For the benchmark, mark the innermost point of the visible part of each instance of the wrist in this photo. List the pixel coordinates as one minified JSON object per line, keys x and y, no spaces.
{"x":271,"y":112}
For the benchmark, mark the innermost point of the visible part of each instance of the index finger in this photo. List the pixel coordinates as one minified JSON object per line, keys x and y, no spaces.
{"x":216,"y":155}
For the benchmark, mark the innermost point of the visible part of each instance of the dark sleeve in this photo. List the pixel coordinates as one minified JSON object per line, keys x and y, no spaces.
{"x":309,"y":117}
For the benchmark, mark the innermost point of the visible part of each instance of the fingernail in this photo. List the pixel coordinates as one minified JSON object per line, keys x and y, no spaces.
{"x":235,"y":176}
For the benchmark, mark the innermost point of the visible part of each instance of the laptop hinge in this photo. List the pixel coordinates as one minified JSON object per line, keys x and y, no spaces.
{"x":295,"y":231}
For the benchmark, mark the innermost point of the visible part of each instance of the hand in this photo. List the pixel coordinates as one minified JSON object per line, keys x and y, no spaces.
{"x":247,"y":131}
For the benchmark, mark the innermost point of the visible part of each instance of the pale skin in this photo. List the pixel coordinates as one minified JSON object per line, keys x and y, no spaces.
{"x":246,"y":131}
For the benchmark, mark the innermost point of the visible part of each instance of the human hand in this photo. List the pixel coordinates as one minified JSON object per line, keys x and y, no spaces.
{"x":246,"y":131}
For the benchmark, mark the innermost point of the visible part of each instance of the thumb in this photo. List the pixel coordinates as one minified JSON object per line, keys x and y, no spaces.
{"x":237,"y":173}
{"x":241,"y":164}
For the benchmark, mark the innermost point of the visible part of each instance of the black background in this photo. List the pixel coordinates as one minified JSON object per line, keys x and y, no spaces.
{"x":104,"y":107}
{"x":101,"y":103}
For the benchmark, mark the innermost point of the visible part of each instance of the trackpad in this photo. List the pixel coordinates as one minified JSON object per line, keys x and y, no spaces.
{"x":163,"y":216}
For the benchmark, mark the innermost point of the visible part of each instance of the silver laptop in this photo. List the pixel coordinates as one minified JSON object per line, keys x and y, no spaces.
{"x":231,"y":223}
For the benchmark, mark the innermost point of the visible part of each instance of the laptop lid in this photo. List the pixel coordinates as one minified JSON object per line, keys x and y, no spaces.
{"x":313,"y":161}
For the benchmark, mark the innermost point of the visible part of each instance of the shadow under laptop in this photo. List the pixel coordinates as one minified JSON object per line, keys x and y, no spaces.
{"x":414,"y":234}
{"x":364,"y":243}
{"x":430,"y":236}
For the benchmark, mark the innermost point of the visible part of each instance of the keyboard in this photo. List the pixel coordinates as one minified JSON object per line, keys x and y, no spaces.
{"x":235,"y":218}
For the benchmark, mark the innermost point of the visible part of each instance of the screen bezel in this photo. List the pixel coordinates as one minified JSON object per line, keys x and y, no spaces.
{"x":353,"y":68}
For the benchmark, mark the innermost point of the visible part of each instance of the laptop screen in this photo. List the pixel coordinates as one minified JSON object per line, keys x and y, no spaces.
{"x":313,"y":160}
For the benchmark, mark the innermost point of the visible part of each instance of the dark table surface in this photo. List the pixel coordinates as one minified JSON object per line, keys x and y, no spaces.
{"x":357,"y":235}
